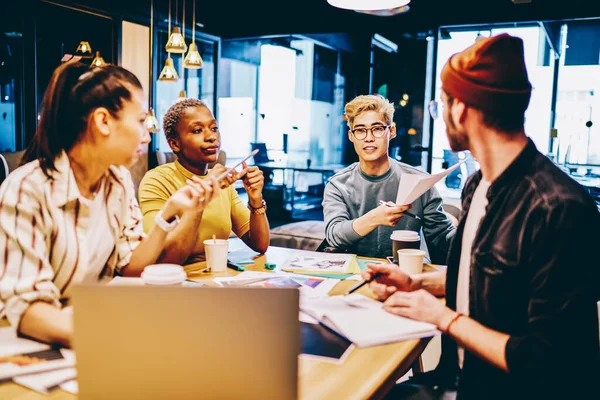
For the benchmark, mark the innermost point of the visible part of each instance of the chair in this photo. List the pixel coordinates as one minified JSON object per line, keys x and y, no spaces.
{"x":262,"y":156}
{"x":453,"y":180}
{"x":9,"y":162}
{"x":3,"y":169}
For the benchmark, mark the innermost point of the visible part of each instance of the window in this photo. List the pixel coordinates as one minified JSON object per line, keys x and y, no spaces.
{"x":578,"y":101}
{"x":11,"y":81}
{"x":286,"y":92}
{"x":538,"y":56}
{"x":197,"y":83}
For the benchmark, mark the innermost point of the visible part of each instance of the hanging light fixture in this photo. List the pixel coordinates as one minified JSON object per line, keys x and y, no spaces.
{"x":368,"y":5}
{"x":176,"y":43}
{"x":98,"y":61}
{"x":193,"y":60}
{"x":84,"y":49}
{"x":388,"y":12}
{"x":182,"y":95}
{"x":151,"y":122}
{"x":168,"y":73}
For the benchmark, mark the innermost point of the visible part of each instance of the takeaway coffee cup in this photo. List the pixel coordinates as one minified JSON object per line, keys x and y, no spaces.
{"x":411,"y":260}
{"x":216,"y":254}
{"x":404,"y":240}
{"x":164,"y":275}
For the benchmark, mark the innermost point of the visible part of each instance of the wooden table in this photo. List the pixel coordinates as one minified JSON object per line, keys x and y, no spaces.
{"x":366,"y":373}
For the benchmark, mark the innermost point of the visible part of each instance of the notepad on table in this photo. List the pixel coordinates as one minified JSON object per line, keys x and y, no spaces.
{"x":363,"y":321}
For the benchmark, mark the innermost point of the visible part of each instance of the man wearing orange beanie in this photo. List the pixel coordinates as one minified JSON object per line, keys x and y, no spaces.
{"x":520,"y":319}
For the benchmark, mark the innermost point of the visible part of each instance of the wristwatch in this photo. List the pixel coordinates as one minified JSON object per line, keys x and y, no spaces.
{"x":163,"y":224}
{"x":260,"y":210}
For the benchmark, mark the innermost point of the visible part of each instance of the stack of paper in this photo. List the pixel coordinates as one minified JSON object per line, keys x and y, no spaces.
{"x":310,"y":287}
{"x":21,"y":356}
{"x":363,"y":321}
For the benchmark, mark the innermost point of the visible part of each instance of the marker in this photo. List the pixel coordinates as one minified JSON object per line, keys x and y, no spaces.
{"x":236,"y":267}
{"x":224,"y":174}
{"x":270,"y":266}
{"x":363,"y":283}
{"x":390,"y":204}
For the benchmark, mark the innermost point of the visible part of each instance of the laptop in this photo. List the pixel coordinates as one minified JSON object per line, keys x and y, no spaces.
{"x":152,"y":342}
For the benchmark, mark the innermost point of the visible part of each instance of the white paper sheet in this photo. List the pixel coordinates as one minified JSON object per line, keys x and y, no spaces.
{"x":310,"y":287}
{"x":71,"y":387}
{"x":10,"y":344}
{"x":45,"y":381}
{"x":412,"y":186}
{"x":321,"y":262}
{"x":363,"y":321}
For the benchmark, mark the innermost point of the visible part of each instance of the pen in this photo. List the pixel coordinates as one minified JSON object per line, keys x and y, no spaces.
{"x":224,"y":174}
{"x":390,"y":204}
{"x":234,"y":266}
{"x":363,"y":283}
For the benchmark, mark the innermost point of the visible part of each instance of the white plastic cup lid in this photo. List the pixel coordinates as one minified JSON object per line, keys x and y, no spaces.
{"x":163,"y":274}
{"x":409,"y":236}
{"x":216,"y":242}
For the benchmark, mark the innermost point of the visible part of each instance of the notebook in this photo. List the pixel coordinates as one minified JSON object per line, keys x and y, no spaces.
{"x":363,"y":321}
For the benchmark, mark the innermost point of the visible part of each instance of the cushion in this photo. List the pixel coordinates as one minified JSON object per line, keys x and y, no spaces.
{"x":303,"y":235}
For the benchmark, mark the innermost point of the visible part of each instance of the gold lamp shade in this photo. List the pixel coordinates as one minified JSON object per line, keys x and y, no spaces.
{"x":151,"y":122}
{"x":168,"y":73}
{"x":98,"y":61}
{"x":84,"y":49}
{"x":176,"y":43}
{"x":182,"y":95}
{"x":193,"y":59}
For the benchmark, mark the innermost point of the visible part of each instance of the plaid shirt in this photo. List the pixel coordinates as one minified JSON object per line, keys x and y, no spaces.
{"x":43,"y":227}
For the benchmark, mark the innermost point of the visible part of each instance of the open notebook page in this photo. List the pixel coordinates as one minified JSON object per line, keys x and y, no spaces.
{"x":363,"y":321}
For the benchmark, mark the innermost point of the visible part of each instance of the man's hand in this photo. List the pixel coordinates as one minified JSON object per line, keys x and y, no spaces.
{"x":389,"y":280}
{"x":420,"y":305}
{"x":387,"y":216}
{"x":254,"y":181}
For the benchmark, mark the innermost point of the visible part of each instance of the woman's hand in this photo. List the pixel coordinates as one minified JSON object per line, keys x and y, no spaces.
{"x":195,"y":196}
{"x":254,"y":181}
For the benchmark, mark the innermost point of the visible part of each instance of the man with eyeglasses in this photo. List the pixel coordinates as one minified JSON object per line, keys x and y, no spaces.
{"x":354,"y":219}
{"x":520,"y":319}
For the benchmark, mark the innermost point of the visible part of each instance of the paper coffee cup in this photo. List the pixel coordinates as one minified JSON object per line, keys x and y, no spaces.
{"x":411,"y":260}
{"x":164,"y":275}
{"x":216,"y":254}
{"x":404,"y":240}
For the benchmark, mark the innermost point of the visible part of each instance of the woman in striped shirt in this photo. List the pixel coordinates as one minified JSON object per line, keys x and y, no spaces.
{"x":69,"y":214}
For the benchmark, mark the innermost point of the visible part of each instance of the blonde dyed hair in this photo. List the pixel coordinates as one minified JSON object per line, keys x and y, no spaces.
{"x":371,"y":102}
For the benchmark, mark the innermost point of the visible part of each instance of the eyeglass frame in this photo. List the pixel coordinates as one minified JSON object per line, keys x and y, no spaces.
{"x":370,"y":130}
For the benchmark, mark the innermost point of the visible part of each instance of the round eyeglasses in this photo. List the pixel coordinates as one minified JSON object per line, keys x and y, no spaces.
{"x":378,"y":131}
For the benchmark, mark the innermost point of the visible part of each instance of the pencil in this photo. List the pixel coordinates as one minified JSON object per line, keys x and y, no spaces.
{"x":363,"y":283}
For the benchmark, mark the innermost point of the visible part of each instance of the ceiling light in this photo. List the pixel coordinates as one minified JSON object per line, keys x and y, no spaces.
{"x":388,"y":12}
{"x":98,"y":61}
{"x":168,"y":73}
{"x":368,"y":5}
{"x":151,"y":122}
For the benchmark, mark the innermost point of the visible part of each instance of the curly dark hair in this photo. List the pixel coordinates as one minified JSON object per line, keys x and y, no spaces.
{"x":173,"y":115}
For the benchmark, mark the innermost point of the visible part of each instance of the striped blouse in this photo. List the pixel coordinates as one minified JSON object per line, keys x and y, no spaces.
{"x":43,"y":230}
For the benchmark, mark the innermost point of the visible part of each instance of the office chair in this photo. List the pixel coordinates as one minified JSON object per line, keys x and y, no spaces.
{"x":262,"y":156}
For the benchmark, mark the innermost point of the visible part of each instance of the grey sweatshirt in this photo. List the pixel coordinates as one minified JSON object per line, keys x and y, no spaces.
{"x":351,"y":193}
